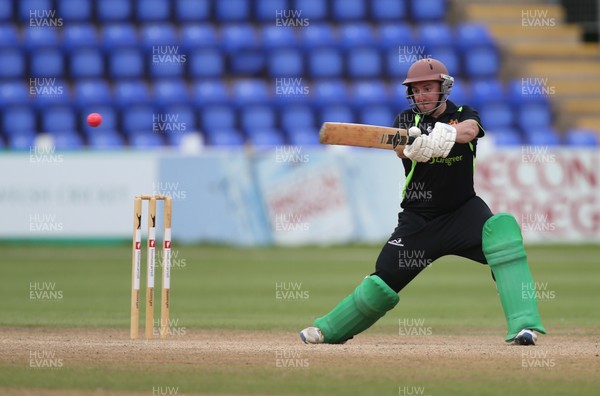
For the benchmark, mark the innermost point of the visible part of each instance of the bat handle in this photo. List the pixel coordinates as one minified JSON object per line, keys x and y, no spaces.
{"x":411,"y":139}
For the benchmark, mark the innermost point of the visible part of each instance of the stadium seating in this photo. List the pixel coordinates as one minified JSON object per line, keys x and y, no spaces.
{"x":227,"y":69}
{"x":6,"y":11}
{"x":581,"y":137}
{"x":392,"y":10}
{"x":192,"y":10}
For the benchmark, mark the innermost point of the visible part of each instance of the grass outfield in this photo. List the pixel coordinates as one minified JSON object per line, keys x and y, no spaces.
{"x":245,"y":296}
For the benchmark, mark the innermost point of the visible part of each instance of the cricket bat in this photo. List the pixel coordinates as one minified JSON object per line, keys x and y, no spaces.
{"x":361,"y":135}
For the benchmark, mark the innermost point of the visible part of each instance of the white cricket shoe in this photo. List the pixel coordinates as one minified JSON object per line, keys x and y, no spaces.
{"x":526,"y":337}
{"x":312,"y":335}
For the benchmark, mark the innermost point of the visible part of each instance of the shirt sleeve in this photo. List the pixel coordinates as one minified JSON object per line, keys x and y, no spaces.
{"x":469,"y":113}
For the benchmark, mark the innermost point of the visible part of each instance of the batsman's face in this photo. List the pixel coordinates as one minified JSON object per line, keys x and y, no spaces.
{"x":426,"y":95}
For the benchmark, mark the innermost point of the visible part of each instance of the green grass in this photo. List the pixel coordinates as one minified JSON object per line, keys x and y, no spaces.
{"x":218,"y":287}
{"x":229,"y":288}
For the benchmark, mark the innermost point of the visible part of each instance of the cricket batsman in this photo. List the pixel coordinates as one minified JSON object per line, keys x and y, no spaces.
{"x":441,"y":216}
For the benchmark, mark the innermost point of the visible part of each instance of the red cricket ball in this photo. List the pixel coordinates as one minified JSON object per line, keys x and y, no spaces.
{"x":94,"y":119}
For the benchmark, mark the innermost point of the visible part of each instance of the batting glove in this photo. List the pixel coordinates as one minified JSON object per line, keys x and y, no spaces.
{"x":421,"y":149}
{"x":444,"y":137}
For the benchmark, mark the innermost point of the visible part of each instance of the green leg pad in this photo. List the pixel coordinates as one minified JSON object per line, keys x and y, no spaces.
{"x":357,"y":312}
{"x":503,"y":248}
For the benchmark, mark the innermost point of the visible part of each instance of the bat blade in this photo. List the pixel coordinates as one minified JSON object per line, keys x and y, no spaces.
{"x":362,"y":135}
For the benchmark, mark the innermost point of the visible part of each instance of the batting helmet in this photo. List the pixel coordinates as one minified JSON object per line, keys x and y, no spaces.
{"x":428,"y":69}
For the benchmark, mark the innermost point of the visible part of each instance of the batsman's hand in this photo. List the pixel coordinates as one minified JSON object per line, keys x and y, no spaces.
{"x":421,"y":149}
{"x":444,"y":137}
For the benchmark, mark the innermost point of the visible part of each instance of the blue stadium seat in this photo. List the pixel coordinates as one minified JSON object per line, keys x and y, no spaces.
{"x":369,"y":92}
{"x":236,"y":36}
{"x":460,"y":94}
{"x":337,"y":113}
{"x":126,"y":63}
{"x":86,"y":63}
{"x":428,"y":10}
{"x":250,"y":91}
{"x":247,"y":62}
{"x":207,"y":92}
{"x":297,"y":117}
{"x":130,"y":92}
{"x":195,"y":36}
{"x":542,"y":137}
{"x":107,"y":140}
{"x":77,"y":35}
{"x":47,"y":62}
{"x":146,"y":140}
{"x":397,"y":96}
{"x":138,"y":118}
{"x":18,"y":118}
{"x":232,"y":10}
{"x":435,"y":35}
{"x":267,"y":10}
{"x":6,"y":11}
{"x":356,"y":34}
{"x":303,"y":137}
{"x":161,"y":43}
{"x":49,"y":91}
{"x":240,"y":41}
{"x":114,"y":10}
{"x":225,"y":137}
{"x":37,"y":9}
{"x":329,"y":91}
{"x":66,"y":140}
{"x":318,"y":35}
{"x":394,"y":35}
{"x":344,"y":10}
{"x":486,"y":91}
{"x":527,"y":90}
{"x":267,"y":137}
{"x":496,"y":115}
{"x":153,"y":35}
{"x":152,"y":10}
{"x":473,"y":34}
{"x":119,"y":35}
{"x":58,"y":118}
{"x":286,"y":62}
{"x":504,"y":136}
{"x":34,"y":39}
{"x":13,"y":63}
{"x":534,"y":115}
{"x":582,"y":137}
{"x":182,"y":114}
{"x":397,"y":64}
{"x":9,"y":35}
{"x":325,"y":62}
{"x":364,"y":62}
{"x":205,"y":63}
{"x":170,"y":91}
{"x":75,"y":10}
{"x":449,"y":57}
{"x":388,"y":10}
{"x":14,"y":92}
{"x":277,"y":37}
{"x":481,"y":62}
{"x":376,"y":115}
{"x":23,"y":140}
{"x":89,"y":92}
{"x":257,"y":117}
{"x":192,"y":10}
{"x":216,"y":117}
{"x":109,"y":118}
{"x":314,"y":10}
